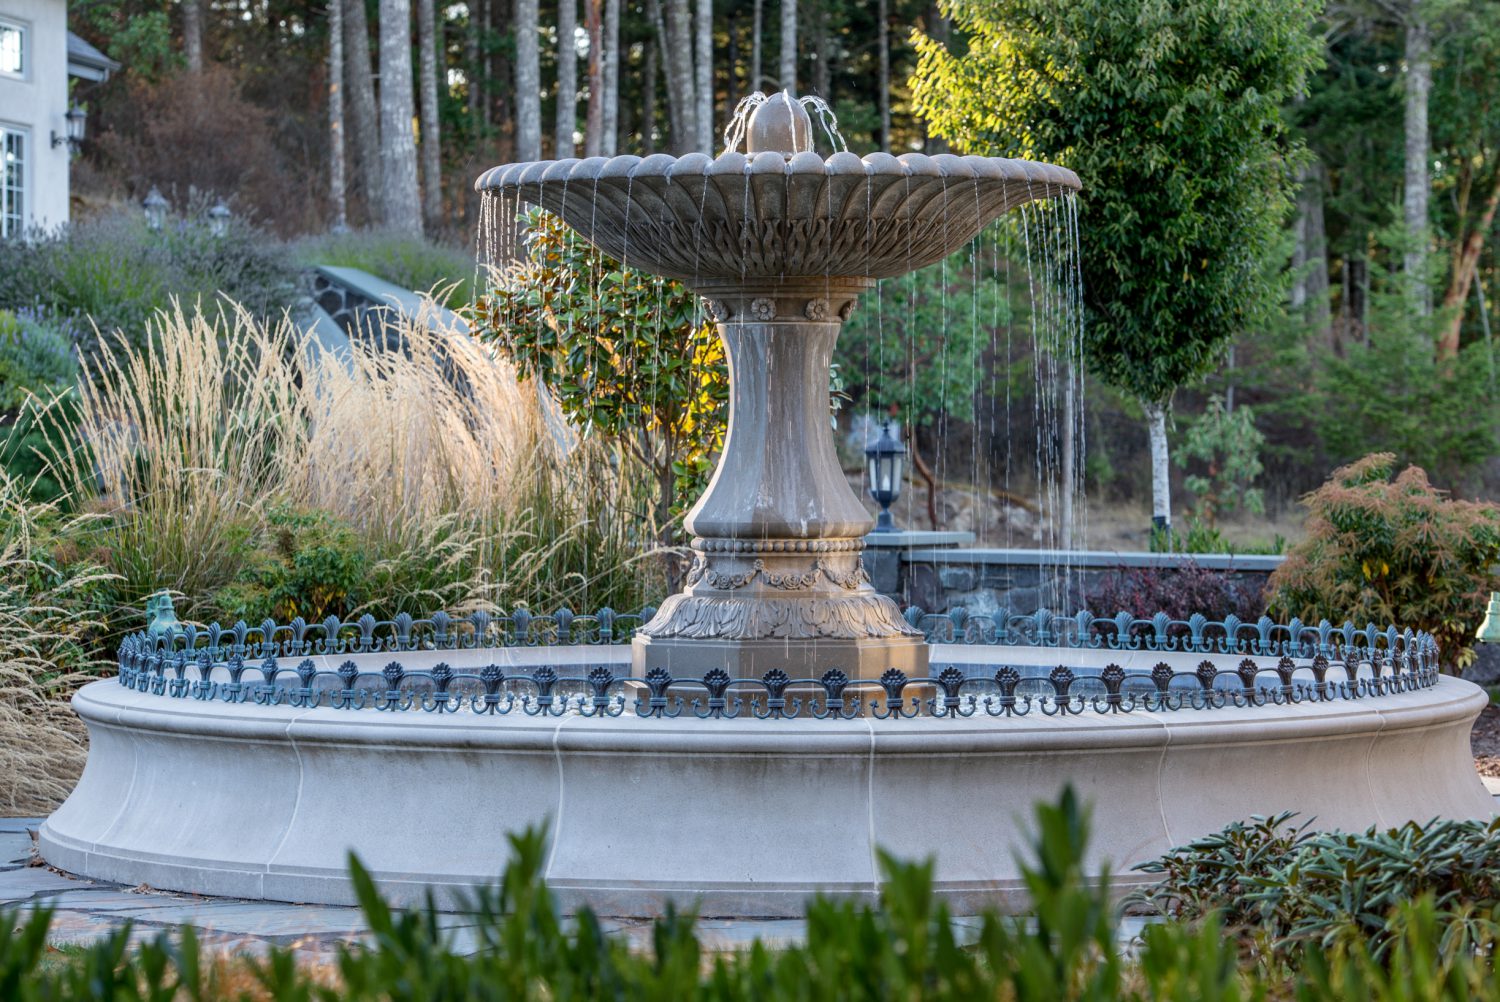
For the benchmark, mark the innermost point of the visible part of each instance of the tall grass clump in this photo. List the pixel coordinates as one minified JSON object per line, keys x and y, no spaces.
{"x":232,"y":461}
{"x":47,"y":638}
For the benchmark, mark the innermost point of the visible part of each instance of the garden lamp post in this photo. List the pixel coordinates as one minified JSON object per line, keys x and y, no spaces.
{"x":218,"y":218}
{"x":156,"y":208}
{"x":885,"y":460}
{"x":1489,"y":630}
{"x":76,"y":124}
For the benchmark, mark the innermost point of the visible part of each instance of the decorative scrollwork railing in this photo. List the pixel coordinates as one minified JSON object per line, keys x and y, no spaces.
{"x":153,"y":665}
{"x":1197,"y":634}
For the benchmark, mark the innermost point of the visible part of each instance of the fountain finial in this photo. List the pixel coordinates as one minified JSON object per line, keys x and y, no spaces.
{"x":781,"y":125}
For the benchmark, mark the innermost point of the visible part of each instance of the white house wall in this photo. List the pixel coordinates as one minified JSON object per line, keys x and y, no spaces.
{"x":38,"y":104}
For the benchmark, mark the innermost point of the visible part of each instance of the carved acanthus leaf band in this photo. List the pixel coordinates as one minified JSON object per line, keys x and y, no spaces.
{"x":707,"y":617}
{"x":791,"y":581}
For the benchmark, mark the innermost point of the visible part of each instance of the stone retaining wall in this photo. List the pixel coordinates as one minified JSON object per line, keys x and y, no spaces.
{"x":940,"y":578}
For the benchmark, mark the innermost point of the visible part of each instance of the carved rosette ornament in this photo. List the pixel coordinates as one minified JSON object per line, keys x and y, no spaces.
{"x":780,"y":242}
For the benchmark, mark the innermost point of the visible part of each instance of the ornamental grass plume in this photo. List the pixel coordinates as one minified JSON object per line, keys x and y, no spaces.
{"x":1386,"y":550}
{"x":457,"y":485}
{"x":46,"y":633}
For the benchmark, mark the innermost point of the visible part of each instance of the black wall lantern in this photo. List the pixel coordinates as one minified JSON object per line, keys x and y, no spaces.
{"x":77,"y":123}
{"x":885,"y":461}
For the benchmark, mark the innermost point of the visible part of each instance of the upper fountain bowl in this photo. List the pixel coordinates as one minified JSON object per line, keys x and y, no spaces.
{"x":774,"y":215}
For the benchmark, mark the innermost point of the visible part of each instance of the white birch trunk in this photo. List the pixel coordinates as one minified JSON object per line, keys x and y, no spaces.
{"x":400,"y":196}
{"x":1161,"y":473}
{"x":528,"y":82}
{"x":703,"y":84}
{"x":566,"y":122}
{"x":337,"y":187}
{"x":1418,"y":181}
{"x":428,"y":43}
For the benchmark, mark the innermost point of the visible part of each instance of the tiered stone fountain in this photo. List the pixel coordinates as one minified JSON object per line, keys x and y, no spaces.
{"x":751,"y":760}
{"x":780,"y":243}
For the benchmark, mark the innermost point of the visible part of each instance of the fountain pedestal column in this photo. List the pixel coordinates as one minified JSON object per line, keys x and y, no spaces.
{"x":777,"y":580}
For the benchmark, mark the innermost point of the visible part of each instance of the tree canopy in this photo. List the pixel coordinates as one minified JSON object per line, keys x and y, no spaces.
{"x":1170,"y":113}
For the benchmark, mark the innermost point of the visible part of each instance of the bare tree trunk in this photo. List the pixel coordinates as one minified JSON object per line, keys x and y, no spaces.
{"x":648,"y":100}
{"x":528,"y":82}
{"x":788,"y":69}
{"x":682,"y":101}
{"x":610,"y":125}
{"x":428,"y":43}
{"x":1465,"y":267}
{"x":400,"y":197}
{"x":567,"y":79}
{"x":1161,"y":472}
{"x":1310,"y":256}
{"x":734,"y":83}
{"x":593,"y":128}
{"x":757,"y":24}
{"x":703,"y":83}
{"x":822,"y":76}
{"x":337,"y":194}
{"x":884,"y":15}
{"x":1418,"y":182}
{"x":361,"y":90}
{"x":940,"y":30}
{"x":472,"y":70}
{"x":192,"y":34}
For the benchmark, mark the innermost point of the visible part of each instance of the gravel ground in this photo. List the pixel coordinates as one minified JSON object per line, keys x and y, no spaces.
{"x":1485,"y":739}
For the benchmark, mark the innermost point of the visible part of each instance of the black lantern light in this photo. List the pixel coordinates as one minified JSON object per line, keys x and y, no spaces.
{"x":77,"y":123}
{"x":885,"y":461}
{"x":156,"y":208}
{"x":218,"y":218}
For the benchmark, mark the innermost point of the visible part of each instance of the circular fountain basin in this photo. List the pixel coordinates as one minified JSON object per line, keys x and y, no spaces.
{"x":740,"y":817}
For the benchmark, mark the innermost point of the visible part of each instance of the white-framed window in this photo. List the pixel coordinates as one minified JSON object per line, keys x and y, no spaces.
{"x":14,"y":58}
{"x":15,"y":179}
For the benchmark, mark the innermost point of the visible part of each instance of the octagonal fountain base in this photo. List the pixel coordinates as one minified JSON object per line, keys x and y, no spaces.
{"x":742,"y":817}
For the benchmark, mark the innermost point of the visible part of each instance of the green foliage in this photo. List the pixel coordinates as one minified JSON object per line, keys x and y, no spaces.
{"x":114,"y":274}
{"x":1389,"y":393}
{"x":300,"y":562}
{"x":36,"y":358}
{"x":1291,"y":893}
{"x":1389,"y":550}
{"x":1228,"y":444}
{"x":920,"y":340}
{"x":400,"y":258}
{"x":1171,"y":116}
{"x":628,"y":355}
{"x":1404,"y":949}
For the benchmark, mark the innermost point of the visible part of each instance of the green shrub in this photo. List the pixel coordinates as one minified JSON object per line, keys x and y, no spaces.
{"x":300,"y":562}
{"x":906,"y":948}
{"x":1286,"y":891}
{"x":114,"y":274}
{"x":36,"y":358}
{"x":1389,"y":550}
{"x":399,"y":258}
{"x":628,"y":355}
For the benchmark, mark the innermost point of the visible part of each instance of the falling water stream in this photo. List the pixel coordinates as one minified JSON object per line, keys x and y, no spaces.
{"x":1029,"y":258}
